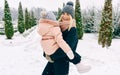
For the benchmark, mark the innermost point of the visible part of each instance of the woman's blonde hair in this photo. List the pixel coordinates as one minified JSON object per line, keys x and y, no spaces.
{"x":71,"y":21}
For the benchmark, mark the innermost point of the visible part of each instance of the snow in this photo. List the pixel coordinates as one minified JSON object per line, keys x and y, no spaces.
{"x":23,"y":55}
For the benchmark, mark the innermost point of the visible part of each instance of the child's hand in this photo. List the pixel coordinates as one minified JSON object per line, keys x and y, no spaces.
{"x":70,"y":55}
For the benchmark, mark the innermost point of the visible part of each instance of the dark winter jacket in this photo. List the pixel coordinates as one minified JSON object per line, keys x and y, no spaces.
{"x":71,"y":38}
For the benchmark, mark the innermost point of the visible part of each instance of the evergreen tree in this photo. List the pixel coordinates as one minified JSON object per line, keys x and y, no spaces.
{"x":33,"y":19}
{"x":21,"y":26}
{"x":63,"y":4}
{"x":78,"y":19}
{"x":9,"y":30}
{"x":29,"y":20}
{"x":59,"y":13}
{"x":26,"y":19}
{"x":89,"y":23}
{"x":116,"y":22}
{"x":105,"y":33}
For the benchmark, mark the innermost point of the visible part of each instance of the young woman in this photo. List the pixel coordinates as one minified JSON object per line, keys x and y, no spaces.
{"x":51,"y":41}
{"x":69,"y":33}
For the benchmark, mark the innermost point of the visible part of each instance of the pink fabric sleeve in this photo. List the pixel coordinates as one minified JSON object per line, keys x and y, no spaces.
{"x":59,"y":39}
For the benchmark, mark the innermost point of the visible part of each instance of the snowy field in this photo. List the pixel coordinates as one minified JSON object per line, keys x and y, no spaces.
{"x":23,"y":56}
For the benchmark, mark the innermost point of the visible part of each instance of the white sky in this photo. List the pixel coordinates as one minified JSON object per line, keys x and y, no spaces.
{"x":53,"y":4}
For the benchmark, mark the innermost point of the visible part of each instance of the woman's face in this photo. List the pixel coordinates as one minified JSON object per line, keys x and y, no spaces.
{"x":65,"y":17}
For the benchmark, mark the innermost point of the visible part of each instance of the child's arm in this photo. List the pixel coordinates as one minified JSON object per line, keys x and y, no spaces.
{"x":62,"y":44}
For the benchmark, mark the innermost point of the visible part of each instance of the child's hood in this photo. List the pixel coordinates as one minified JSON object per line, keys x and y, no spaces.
{"x":45,"y":26}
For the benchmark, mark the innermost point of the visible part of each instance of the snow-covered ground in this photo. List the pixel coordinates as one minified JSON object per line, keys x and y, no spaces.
{"x":23,"y":56}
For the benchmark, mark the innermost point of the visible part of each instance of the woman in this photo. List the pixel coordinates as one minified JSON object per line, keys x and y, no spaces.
{"x":51,"y":41}
{"x":69,"y":32}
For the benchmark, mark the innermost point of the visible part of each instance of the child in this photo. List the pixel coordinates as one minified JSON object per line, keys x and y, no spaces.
{"x":52,"y":36}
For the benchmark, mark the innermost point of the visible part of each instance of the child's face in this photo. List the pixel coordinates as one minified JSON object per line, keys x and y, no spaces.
{"x":65,"y":17}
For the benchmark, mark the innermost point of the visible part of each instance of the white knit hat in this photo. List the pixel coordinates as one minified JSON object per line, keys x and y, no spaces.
{"x":48,"y":15}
